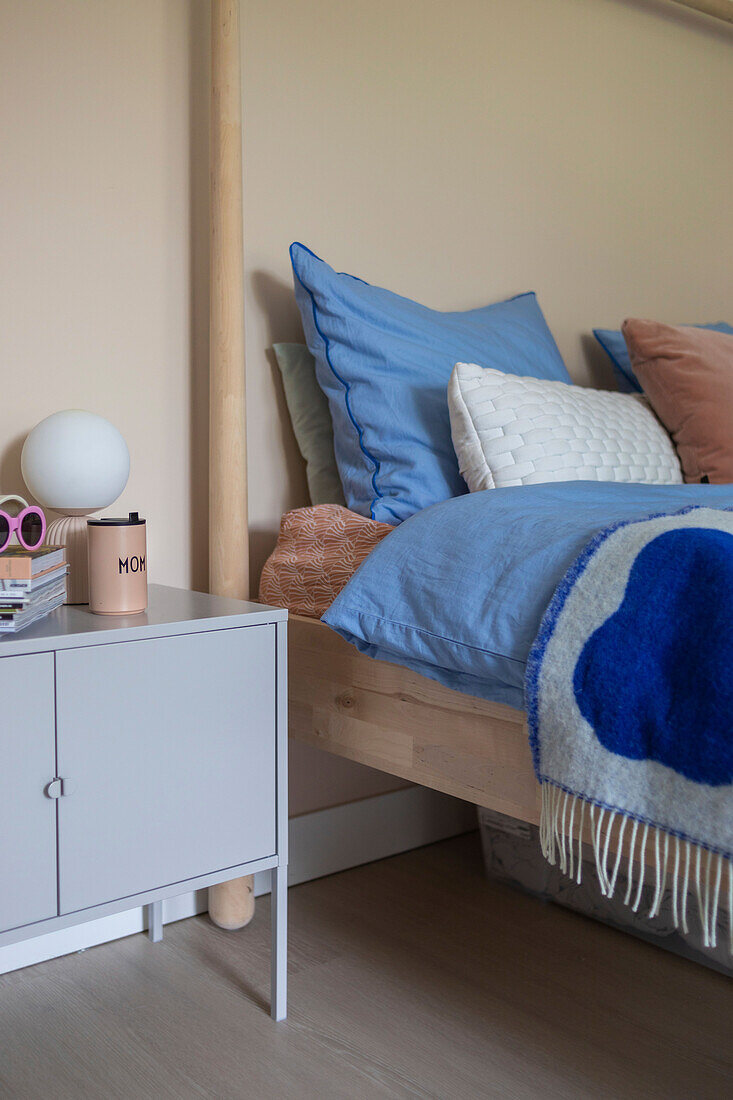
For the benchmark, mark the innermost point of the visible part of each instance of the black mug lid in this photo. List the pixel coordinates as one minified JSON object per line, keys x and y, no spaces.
{"x":133,"y":520}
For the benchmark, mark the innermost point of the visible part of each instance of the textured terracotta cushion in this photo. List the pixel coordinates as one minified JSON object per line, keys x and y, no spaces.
{"x":318,"y":551}
{"x":687,"y":374}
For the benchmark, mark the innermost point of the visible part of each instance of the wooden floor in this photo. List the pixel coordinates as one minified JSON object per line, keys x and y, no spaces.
{"x":412,"y":977}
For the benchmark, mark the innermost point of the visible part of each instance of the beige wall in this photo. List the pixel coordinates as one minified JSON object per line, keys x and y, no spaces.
{"x":103,"y":237}
{"x":458,"y":151}
{"x":455,"y":150}
{"x":104,"y":269}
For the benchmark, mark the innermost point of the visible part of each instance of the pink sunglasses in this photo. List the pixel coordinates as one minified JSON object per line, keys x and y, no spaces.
{"x":29,"y":525}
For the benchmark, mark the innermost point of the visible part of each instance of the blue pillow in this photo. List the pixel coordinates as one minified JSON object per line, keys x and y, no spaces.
{"x":384,"y":362}
{"x":614,"y":345}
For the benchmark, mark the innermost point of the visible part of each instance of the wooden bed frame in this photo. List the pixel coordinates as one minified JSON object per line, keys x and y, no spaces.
{"x":368,"y":711}
{"x":398,"y":721}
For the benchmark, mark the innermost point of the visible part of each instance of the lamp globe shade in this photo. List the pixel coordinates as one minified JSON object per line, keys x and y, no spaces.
{"x":75,"y":462}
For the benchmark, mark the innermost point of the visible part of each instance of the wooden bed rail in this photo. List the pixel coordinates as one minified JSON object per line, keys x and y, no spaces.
{"x":390,"y":718}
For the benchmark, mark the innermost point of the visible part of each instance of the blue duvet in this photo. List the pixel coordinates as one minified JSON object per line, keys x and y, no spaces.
{"x":457,"y":592}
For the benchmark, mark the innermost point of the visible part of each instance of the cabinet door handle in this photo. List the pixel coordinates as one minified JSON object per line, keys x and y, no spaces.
{"x":54,"y":789}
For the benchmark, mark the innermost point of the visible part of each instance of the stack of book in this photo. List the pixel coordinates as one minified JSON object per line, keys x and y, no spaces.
{"x":32,"y":584}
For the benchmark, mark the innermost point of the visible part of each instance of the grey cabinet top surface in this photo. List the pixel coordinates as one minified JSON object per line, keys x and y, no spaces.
{"x":170,"y":611}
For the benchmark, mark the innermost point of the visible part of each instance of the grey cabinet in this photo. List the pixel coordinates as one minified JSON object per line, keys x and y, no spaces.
{"x":27,"y":815}
{"x":167,"y":752}
{"x":142,"y":757}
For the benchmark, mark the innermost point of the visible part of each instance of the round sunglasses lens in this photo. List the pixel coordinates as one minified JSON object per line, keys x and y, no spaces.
{"x":31,"y":529}
{"x":4,"y":530}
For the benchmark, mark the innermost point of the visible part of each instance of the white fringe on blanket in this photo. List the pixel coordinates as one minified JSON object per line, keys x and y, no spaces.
{"x":689,"y":865}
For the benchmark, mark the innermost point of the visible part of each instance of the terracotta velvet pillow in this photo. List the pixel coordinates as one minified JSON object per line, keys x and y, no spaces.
{"x":318,"y":551}
{"x":687,"y":374}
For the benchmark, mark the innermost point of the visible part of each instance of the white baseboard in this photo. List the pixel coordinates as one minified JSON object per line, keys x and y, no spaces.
{"x":321,"y":843}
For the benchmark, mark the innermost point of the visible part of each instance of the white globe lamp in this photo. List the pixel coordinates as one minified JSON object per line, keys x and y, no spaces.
{"x":75,"y":463}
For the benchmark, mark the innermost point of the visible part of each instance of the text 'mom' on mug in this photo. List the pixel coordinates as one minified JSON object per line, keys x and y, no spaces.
{"x":118,"y":569}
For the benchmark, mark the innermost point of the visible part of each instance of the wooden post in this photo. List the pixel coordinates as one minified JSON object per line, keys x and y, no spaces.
{"x":231,"y":904}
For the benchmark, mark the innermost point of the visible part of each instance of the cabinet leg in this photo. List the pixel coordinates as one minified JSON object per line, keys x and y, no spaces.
{"x":155,"y":921}
{"x":279,"y":960}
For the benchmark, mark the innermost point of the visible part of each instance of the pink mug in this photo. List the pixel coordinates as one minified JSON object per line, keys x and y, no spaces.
{"x":118,"y":567}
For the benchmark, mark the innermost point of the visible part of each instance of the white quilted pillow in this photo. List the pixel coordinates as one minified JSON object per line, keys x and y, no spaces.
{"x":509,"y":430}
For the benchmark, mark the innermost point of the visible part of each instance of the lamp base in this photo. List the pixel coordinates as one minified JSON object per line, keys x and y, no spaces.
{"x":71,"y":532}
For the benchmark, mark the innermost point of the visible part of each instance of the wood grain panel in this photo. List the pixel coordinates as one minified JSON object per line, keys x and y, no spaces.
{"x":393,"y":719}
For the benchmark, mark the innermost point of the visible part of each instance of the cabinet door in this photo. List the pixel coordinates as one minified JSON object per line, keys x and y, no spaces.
{"x":27,"y":816}
{"x":167,"y":747}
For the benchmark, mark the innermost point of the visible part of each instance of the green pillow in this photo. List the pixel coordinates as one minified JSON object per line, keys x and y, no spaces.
{"x":308,"y":408}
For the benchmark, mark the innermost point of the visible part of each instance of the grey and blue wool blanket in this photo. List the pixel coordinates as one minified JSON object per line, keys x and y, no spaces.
{"x":630,"y":703}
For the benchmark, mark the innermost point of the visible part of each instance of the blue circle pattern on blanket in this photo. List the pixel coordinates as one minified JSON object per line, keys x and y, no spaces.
{"x":655,"y":680}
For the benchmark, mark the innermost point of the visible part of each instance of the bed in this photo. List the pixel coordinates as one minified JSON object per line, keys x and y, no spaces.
{"x":357,"y":705}
{"x":437,"y":697}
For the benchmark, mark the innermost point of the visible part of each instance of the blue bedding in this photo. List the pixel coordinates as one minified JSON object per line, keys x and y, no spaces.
{"x":458,"y":591}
